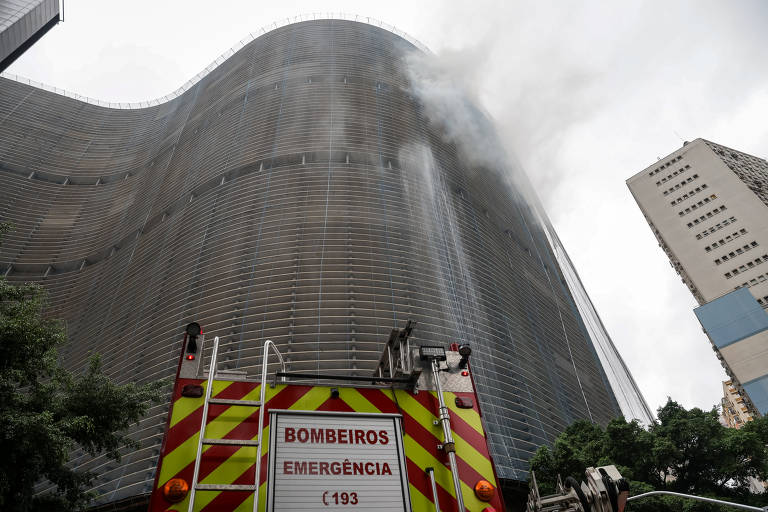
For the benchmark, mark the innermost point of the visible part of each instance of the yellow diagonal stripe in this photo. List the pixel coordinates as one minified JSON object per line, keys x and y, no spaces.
{"x":357,"y":401}
{"x":418,"y":412}
{"x":420,"y":502}
{"x":219,"y":427}
{"x":227,"y":472}
{"x":185,"y":406}
{"x":443,"y":477}
{"x":469,"y":415}
{"x":423,"y":459}
{"x":247,"y":504}
{"x":464,"y":449}
{"x":262,"y":497}
{"x":177,"y":459}
{"x":474,"y":458}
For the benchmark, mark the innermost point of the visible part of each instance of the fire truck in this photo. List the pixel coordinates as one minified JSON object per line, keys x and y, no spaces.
{"x":408,"y":437}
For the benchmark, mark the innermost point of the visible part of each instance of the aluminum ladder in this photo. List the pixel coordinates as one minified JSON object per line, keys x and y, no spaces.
{"x":202,"y":440}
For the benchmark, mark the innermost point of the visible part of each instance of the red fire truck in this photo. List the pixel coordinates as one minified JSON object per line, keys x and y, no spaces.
{"x":409,"y":437}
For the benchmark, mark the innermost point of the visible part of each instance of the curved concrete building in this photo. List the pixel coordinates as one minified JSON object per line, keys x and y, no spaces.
{"x":297,"y":192}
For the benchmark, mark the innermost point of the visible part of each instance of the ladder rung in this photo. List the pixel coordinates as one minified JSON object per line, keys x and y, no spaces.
{"x":230,"y":401}
{"x":224,"y":487}
{"x":232,"y":442}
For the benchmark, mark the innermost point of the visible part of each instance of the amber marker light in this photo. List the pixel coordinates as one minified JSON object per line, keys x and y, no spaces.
{"x":484,"y":490}
{"x":175,"y":490}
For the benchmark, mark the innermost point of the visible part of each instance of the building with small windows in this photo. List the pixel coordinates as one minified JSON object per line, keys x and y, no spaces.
{"x":707,"y":205}
{"x":733,"y":411}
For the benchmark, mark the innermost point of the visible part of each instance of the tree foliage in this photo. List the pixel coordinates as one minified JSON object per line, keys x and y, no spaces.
{"x":685,"y":451}
{"x":47,"y":411}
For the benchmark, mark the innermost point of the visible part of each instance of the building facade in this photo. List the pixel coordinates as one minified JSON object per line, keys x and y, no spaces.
{"x":22,"y":22}
{"x":733,"y":411}
{"x":708,"y":207}
{"x":297,"y":192}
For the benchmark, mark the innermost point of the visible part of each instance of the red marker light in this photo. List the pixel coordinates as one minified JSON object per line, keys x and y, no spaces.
{"x":464,"y":373}
{"x":190,"y":357}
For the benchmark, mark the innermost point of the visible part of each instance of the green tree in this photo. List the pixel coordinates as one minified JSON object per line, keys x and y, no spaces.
{"x":685,"y":451}
{"x":46,"y":411}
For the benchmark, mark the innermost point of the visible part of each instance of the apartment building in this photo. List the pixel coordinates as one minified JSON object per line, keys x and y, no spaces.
{"x":733,"y":412}
{"x":707,"y":205}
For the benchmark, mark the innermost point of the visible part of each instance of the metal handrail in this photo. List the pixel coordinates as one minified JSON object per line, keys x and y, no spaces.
{"x":208,"y":391}
{"x":699,"y":498}
{"x":448,"y":444}
{"x":262,"y":399}
{"x":431,"y":473}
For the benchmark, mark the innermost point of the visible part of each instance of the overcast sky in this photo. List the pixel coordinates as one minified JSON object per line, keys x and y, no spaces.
{"x":585,"y":95}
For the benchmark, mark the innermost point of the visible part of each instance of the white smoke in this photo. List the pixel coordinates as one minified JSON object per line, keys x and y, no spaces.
{"x":449,"y":103}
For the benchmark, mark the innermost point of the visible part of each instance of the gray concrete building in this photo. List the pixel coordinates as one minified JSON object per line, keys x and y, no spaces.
{"x":22,"y":22}
{"x":297,"y":192}
{"x":708,"y":207}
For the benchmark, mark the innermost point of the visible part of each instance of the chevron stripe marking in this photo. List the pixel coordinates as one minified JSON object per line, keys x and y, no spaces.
{"x":473,"y":465}
{"x":180,"y":462}
{"x":232,"y":464}
{"x":190,"y":424}
{"x":447,"y":499}
{"x":233,"y":500}
{"x":222,"y":425}
{"x":418,"y":500}
{"x":470,"y":443}
{"x":361,"y":404}
{"x":469,"y":459}
{"x":184,"y":406}
{"x":468,"y":418}
{"x":420,"y":447}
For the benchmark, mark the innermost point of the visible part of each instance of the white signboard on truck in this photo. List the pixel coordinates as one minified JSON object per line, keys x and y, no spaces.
{"x":322,"y":461}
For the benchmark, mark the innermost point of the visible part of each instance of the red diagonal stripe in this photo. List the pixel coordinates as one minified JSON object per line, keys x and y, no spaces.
{"x":190,"y":425}
{"x":229,"y":500}
{"x":426,"y":439}
{"x":335,"y":405}
{"x":418,"y":478}
{"x":413,"y":428}
{"x":216,"y":455}
{"x":247,"y":429}
{"x":461,"y":427}
{"x":282,"y":400}
{"x":380,"y":400}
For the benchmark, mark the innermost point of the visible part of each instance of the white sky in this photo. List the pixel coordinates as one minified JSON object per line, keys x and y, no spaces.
{"x":585,"y":94}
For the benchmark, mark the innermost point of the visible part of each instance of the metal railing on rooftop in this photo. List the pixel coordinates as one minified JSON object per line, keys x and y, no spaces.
{"x":220,"y":59}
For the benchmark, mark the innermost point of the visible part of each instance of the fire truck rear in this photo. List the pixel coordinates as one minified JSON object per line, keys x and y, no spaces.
{"x":409,"y":437}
